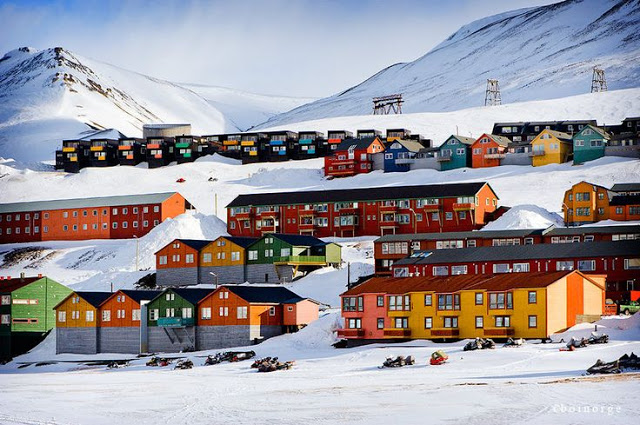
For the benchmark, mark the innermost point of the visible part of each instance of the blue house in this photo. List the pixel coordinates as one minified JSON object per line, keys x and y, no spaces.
{"x":399,"y":154}
{"x":455,"y":152}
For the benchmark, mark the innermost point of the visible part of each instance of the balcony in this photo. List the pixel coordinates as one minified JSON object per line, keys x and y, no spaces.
{"x":183,"y":145}
{"x":443,"y":158}
{"x":346,"y":162}
{"x":306,"y":226}
{"x":388,"y":208}
{"x":175,"y":322}
{"x":537,"y":153}
{"x":432,"y":208}
{"x":153,"y":145}
{"x":348,"y":210}
{"x":309,"y":260}
{"x":495,"y":156}
{"x":244,"y":215}
{"x":445,"y":333}
{"x":96,"y":148}
{"x":463,"y":207}
{"x":396,"y":333}
{"x":499,"y":332}
{"x":125,"y":148}
{"x":350,"y":333}
{"x":68,"y":149}
{"x":265,"y":214}
{"x":307,"y":213}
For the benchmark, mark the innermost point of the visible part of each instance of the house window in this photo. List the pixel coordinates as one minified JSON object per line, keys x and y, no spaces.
{"x":175,"y":258}
{"x":114,"y":225}
{"x":564,"y":265}
{"x":170,"y":312}
{"x":135,"y":315}
{"x":170,"y":296}
{"x":533,"y":297}
{"x":450,"y":322}
{"x":533,"y":321}
{"x":501,"y":268}
{"x":188,"y":258}
{"x":456,"y":270}
{"x":242,"y":312}
{"x":272,"y":311}
{"x":428,"y":322}
{"x":479,"y":322}
{"x":449,"y":302}
{"x":62,"y":316}
{"x":500,"y":300}
{"x":187,"y":313}
{"x":399,"y":302}
{"x":90,"y":316}
{"x":6,"y":319}
{"x":380,"y":301}
{"x":6,"y":300}
{"x":156,"y":222}
{"x":114,"y":211}
{"x":223,"y":311}
{"x":441,"y":270}
{"x":206,"y":257}
{"x":521,"y":268}
{"x":631,"y":263}
{"x":162,"y":260}
{"x":448,"y":216}
{"x":428,"y":300}
{"x":380,"y":323}
{"x":528,"y":241}
{"x":154,"y":314}
{"x":354,"y":323}
{"x":479,"y":298}
{"x":587,"y":265}
{"x":401,"y":322}
{"x":502,"y":321}
{"x":205,"y":313}
{"x":156,"y":209}
{"x":106,"y":315}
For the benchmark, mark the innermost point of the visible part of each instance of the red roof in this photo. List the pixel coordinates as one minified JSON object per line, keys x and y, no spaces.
{"x":500,"y":282}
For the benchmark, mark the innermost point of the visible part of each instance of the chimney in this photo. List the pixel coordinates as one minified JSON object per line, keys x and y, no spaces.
{"x":1,"y":277}
{"x":22,"y":276}
{"x":8,"y":277}
{"x":39,"y":275}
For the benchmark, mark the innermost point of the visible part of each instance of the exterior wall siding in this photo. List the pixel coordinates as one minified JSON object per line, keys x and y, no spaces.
{"x":75,"y":340}
{"x":262,"y":273}
{"x":171,"y":340}
{"x":214,"y":337}
{"x":178,"y":276}
{"x":225,"y":274}
{"x":123,"y":340}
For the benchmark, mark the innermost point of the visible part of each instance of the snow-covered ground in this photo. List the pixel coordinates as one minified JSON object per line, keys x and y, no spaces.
{"x":535,"y":383}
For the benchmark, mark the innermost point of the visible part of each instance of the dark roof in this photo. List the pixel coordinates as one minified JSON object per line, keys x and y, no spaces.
{"x":298,"y":240}
{"x":140,"y":295}
{"x":10,"y":285}
{"x":484,"y":234}
{"x":523,"y":252}
{"x":93,"y":298}
{"x":196,"y":244}
{"x":625,"y":200}
{"x":626,"y":187}
{"x":362,"y":143}
{"x":265,"y":294}
{"x":240,"y":241}
{"x":193,"y":295}
{"x":448,"y":284}
{"x":355,"y":195}
{"x":592,"y":230}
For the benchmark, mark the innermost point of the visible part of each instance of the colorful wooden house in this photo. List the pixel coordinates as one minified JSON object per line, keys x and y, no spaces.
{"x":589,"y":144}
{"x":400,"y":154}
{"x":279,"y":257}
{"x":59,"y":165}
{"x":172,"y":319}
{"x":253,"y":147}
{"x":103,"y":152}
{"x":551,"y":147}
{"x":75,"y":155}
{"x":368,"y":133}
{"x":352,"y":156}
{"x":243,"y":315}
{"x":131,"y":151}
{"x":223,"y":260}
{"x":120,"y":318}
{"x":177,"y":263}
{"x":488,"y":150}
{"x":459,"y":307}
{"x":455,"y":152}
{"x":625,"y":205}
{"x":310,"y":144}
{"x":335,"y":137}
{"x":394,"y":134}
{"x":26,"y":312}
{"x":585,"y":203}
{"x":160,"y":151}
{"x":188,"y":148}
{"x":77,"y":322}
{"x":281,"y":145}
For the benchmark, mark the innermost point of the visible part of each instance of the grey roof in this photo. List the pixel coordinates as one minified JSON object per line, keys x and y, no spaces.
{"x":359,"y":195}
{"x":411,"y":145}
{"x":502,"y":141}
{"x":106,"y":201}
{"x":466,"y":140}
{"x":361,"y":143}
{"x":592,"y":230}
{"x":626,"y":187}
{"x":598,"y":130}
{"x":485,"y":234}
{"x":523,"y":252}
{"x":563,"y":137}
{"x":163,"y":126}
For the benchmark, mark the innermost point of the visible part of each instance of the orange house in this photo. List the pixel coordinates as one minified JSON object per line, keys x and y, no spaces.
{"x":245,"y":314}
{"x":119,"y":321}
{"x":77,"y":322}
{"x":177,"y":262}
{"x":488,"y":150}
{"x":585,"y":203}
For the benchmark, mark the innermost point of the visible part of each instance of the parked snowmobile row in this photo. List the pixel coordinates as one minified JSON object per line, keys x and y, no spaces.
{"x":576,"y":343}
{"x":437,"y":358}
{"x":519,"y":342}
{"x":624,"y":363}
{"x":229,"y":356}
{"x":271,"y":364}
{"x":479,"y":344}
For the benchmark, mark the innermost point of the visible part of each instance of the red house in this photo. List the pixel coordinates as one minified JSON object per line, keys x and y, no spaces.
{"x":352,"y":156}
{"x":361,"y":212}
{"x":488,"y":150}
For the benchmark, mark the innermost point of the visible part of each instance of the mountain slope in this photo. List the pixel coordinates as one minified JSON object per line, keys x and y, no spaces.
{"x":536,"y":53}
{"x":49,"y":95}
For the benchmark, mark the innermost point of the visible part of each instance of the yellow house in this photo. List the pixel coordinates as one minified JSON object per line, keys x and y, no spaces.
{"x":531,"y":305}
{"x":551,"y":147}
{"x":223,"y":260}
{"x":585,"y":203}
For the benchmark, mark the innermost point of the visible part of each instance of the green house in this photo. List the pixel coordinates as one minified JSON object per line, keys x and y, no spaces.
{"x":278,"y":257}
{"x":26,"y":312}
{"x":589,"y":144}
{"x":171,"y":319}
{"x":455,"y":152}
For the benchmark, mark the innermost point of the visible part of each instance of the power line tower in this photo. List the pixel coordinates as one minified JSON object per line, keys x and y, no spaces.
{"x":386,"y":104}
{"x":492,"y":95}
{"x":598,"y":82}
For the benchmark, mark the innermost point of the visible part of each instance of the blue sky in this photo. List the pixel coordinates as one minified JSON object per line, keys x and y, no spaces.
{"x":286,"y":47}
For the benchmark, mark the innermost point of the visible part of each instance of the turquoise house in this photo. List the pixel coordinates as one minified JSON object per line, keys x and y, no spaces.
{"x":589,"y":144}
{"x":455,"y":152}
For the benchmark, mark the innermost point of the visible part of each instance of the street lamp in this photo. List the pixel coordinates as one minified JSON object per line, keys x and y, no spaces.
{"x":415,"y":221}
{"x":137,"y":241}
{"x":216,"y":276}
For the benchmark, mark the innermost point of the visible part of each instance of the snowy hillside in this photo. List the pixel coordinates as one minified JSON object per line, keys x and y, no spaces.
{"x":537,"y":53}
{"x":49,"y":95}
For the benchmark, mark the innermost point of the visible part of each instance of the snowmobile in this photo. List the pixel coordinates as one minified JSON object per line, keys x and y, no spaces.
{"x":438,"y":357}
{"x":258,"y":362}
{"x":399,"y":361}
{"x":117,"y":364}
{"x":575,"y":343}
{"x":629,"y":361}
{"x":626,"y":362}
{"x":479,"y":344}
{"x":158,"y":361}
{"x":272,"y":364}
{"x":596,"y":338}
{"x":229,"y":356}
{"x":238,"y":356}
{"x":183,"y":364}
{"x":514,"y":342}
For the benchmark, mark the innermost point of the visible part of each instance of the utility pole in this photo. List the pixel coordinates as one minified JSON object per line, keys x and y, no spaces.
{"x":137,"y":241}
{"x":348,"y":274}
{"x":215,"y":204}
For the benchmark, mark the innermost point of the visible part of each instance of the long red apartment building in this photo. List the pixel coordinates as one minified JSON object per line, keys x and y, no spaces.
{"x":361,"y":212}
{"x":110,"y":217}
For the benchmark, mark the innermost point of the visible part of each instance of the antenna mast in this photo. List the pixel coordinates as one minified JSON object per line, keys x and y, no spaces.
{"x":492,"y":95}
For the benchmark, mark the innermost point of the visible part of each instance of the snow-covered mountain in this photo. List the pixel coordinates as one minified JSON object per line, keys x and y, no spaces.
{"x":536,"y":53}
{"x":52,"y":94}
